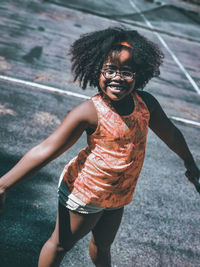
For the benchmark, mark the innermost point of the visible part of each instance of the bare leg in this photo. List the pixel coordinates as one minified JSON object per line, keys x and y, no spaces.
{"x":70,"y":227}
{"x":103,"y":236}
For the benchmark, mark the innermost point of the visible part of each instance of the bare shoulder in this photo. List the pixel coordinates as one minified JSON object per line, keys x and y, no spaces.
{"x":150,"y":101}
{"x":86,"y":112}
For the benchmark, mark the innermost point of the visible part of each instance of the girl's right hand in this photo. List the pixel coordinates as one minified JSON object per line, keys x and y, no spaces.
{"x":2,"y":199}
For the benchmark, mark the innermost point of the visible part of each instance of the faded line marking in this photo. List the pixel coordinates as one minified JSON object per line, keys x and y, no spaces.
{"x":66,"y":93}
{"x":42,"y":86}
{"x":148,"y":23}
{"x":6,"y":111}
{"x":195,"y":123}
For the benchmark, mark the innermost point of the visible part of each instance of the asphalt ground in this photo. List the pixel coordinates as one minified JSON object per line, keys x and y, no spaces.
{"x":161,"y":225}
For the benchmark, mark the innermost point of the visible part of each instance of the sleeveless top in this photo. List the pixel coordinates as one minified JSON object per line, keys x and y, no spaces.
{"x":105,"y":173}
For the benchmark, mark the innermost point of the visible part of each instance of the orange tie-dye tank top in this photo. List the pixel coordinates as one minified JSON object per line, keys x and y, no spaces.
{"x":105,"y":173}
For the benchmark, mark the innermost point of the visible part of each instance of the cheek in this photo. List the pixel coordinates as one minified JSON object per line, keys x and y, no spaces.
{"x":102,"y":81}
{"x":132,"y":84}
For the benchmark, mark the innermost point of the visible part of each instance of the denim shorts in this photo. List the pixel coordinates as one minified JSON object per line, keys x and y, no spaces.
{"x":70,"y":201}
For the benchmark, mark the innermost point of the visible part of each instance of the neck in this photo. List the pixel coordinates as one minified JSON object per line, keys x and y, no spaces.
{"x":124,"y":106}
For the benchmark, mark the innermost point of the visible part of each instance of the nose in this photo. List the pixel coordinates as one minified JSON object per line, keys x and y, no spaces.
{"x":117,"y":76}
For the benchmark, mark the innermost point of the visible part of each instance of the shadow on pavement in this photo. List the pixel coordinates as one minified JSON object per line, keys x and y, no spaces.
{"x":26,"y":224}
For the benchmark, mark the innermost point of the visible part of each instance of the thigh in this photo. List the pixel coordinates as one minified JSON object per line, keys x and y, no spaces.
{"x":105,"y":230}
{"x":72,"y":226}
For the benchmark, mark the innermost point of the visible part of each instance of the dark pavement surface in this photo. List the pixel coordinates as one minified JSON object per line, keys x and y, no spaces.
{"x":161,"y":225}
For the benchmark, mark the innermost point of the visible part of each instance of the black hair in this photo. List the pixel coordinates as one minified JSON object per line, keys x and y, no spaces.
{"x":91,"y":50}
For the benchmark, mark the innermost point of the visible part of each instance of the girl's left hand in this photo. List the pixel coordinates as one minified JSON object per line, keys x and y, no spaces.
{"x":193,"y":174}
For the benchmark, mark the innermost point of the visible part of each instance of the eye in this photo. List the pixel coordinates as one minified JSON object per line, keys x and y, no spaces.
{"x":127,"y":73}
{"x":109,"y":71}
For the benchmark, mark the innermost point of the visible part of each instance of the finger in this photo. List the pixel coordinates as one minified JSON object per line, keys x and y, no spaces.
{"x":188,"y":175}
{"x":194,"y":180}
{"x":197,"y":188}
{"x":197,"y":184}
{"x":191,"y":176}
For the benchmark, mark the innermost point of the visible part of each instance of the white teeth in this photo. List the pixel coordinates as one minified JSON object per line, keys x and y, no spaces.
{"x":115,"y":87}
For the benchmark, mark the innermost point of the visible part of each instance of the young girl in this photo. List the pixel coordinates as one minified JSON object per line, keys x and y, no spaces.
{"x":96,"y":185}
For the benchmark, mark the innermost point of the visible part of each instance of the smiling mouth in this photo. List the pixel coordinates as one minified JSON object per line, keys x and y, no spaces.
{"x":116,"y":88}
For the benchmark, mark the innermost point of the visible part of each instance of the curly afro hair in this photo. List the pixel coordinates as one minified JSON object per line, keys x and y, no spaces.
{"x":91,"y":50}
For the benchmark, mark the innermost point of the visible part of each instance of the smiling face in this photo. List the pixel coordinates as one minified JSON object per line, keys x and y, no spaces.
{"x":117,"y":88}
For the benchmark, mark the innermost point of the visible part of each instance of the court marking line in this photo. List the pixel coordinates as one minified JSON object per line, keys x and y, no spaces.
{"x":186,"y":121}
{"x":148,"y":23}
{"x":69,"y":93}
{"x":42,"y":86}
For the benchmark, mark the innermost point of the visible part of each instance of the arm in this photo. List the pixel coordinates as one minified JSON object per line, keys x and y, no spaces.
{"x":173,"y":138}
{"x":69,"y":131}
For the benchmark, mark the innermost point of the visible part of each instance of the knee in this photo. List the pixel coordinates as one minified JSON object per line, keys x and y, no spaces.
{"x":61,"y":246}
{"x":100,"y":253}
{"x":65,"y":246}
{"x":100,"y":246}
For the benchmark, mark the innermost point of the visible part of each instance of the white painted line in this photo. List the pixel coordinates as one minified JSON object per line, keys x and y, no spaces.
{"x":42,"y":86}
{"x":195,"y":123}
{"x":148,"y":23}
{"x":67,"y":93}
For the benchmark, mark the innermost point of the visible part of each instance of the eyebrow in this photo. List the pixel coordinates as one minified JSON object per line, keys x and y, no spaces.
{"x":114,"y":66}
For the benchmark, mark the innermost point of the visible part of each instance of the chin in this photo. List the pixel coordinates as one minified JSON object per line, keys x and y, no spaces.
{"x":117,"y":98}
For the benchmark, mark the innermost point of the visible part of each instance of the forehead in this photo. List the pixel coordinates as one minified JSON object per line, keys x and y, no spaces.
{"x":119,"y":58}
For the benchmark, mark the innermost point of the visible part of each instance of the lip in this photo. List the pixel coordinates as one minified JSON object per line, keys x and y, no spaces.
{"x":116,"y":88}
